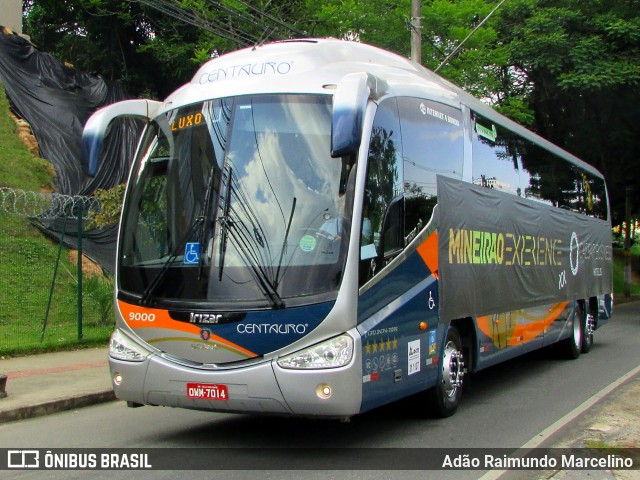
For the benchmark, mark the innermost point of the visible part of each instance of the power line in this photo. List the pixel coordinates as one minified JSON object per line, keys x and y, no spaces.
{"x":459,"y":47}
{"x":236,"y":13}
{"x":232,"y":31}
{"x":188,"y":16}
{"x":273,"y":19}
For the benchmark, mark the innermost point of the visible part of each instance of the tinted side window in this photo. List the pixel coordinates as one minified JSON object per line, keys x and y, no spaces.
{"x":432,"y":144}
{"x":505,"y":161}
{"x":382,"y":197}
{"x":496,"y":153}
{"x":553,"y":180}
{"x":591,"y":195}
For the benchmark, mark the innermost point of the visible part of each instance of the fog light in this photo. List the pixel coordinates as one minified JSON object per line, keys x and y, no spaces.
{"x":323,"y":391}
{"x":117,"y":378}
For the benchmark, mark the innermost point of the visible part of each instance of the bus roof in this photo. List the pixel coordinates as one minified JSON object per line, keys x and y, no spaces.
{"x":317,"y":65}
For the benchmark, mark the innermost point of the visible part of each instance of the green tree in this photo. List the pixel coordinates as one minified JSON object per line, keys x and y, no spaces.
{"x":568,"y":69}
{"x":155,"y":46}
{"x":582,"y":64}
{"x":101,"y":36}
{"x":376,"y":22}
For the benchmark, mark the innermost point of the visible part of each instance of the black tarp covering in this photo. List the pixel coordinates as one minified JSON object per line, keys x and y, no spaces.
{"x":97,"y":244}
{"x":56,"y":101}
{"x":499,"y":253}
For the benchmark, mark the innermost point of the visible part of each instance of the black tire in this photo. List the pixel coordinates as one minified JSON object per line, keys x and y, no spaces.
{"x":443,"y":399}
{"x":572,"y":346}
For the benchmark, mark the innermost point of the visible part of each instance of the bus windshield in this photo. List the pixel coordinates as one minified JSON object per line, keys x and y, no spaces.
{"x":237,"y":201}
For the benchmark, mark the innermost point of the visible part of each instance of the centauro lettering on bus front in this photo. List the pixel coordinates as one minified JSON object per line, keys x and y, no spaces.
{"x":320,"y":227}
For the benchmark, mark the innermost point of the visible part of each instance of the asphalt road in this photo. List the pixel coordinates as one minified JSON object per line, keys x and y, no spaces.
{"x":506,"y":406}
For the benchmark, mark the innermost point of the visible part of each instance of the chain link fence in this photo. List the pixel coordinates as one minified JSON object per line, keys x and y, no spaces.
{"x":50,"y":296}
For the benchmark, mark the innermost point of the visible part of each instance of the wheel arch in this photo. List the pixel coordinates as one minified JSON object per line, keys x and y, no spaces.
{"x":469,"y":338}
{"x":594,"y":309}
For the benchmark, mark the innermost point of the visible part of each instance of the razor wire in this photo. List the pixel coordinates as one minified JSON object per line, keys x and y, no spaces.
{"x":46,"y":206}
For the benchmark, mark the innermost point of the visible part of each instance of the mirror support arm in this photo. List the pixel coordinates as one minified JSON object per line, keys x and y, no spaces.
{"x":98,"y":124}
{"x":349,"y":103}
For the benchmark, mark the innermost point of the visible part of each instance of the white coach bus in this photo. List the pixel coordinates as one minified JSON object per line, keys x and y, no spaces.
{"x":321,"y":227}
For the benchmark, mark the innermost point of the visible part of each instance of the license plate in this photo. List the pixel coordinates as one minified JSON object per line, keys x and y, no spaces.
{"x":207,"y":391}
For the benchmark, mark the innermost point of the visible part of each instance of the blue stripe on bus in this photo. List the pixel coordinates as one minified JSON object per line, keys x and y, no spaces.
{"x":266,"y":331}
{"x":399,"y":355}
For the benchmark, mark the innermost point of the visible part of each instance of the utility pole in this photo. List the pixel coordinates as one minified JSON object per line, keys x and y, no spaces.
{"x":416,"y":31}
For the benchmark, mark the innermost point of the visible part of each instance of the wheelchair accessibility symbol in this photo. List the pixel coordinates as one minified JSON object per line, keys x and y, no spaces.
{"x":191,"y":254}
{"x":432,"y":302}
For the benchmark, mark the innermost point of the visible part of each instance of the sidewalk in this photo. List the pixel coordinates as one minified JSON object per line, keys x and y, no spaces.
{"x":52,"y":382}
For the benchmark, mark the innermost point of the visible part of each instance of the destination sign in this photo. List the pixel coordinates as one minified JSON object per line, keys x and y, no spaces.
{"x":187,"y":121}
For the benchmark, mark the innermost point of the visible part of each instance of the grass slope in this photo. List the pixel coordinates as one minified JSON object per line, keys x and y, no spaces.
{"x":27,"y":261}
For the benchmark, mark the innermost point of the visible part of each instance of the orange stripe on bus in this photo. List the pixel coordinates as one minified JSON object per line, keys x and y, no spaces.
{"x":529,"y":331}
{"x":138,"y":317}
{"x":428,"y":251}
{"x":519,"y":333}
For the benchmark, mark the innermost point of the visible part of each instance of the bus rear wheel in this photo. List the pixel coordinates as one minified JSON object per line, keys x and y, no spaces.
{"x":590,"y":321}
{"x":572,"y":346}
{"x":445,"y":397}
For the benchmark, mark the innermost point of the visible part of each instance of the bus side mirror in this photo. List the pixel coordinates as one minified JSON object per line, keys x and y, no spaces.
{"x":349,"y":103}
{"x":96,"y":127}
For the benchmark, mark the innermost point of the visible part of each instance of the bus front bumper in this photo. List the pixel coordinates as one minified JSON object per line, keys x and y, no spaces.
{"x":263,"y":388}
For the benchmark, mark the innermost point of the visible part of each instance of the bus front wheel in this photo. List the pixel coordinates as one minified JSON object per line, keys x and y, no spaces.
{"x":444,"y":397}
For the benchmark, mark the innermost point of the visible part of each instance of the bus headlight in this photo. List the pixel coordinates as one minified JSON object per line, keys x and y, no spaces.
{"x":333,"y":353}
{"x":122,"y":348}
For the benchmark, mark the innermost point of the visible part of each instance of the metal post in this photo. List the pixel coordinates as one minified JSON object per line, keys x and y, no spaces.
{"x":53,"y":280}
{"x":80,"y":271}
{"x":627,"y":244}
{"x":416,"y":31}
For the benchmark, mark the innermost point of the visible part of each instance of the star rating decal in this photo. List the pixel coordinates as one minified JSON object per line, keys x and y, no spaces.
{"x":381,"y":345}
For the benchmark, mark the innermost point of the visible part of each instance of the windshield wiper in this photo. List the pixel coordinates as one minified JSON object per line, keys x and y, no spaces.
{"x":262,"y":279}
{"x":203,"y":219}
{"x":284,"y":243}
{"x":206,"y":214}
{"x":229,"y":228}
{"x":224,"y":225}
{"x":174,"y":254}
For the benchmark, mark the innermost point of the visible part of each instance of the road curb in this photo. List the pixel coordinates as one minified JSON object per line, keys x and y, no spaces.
{"x":70,"y":403}
{"x":577,"y":414}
